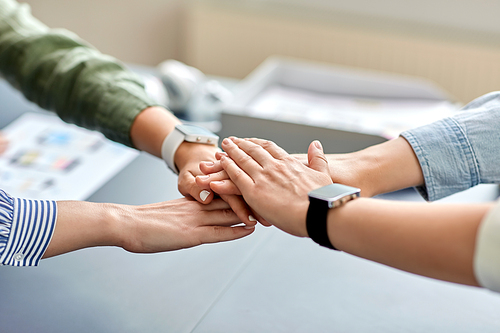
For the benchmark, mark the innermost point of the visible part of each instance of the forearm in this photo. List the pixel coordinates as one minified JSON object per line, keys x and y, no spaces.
{"x":433,"y":240}
{"x":62,"y":73}
{"x":158,"y":227}
{"x":378,"y":169}
{"x":83,"y":224}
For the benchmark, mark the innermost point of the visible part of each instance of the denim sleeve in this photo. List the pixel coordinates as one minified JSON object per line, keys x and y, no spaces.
{"x":60,"y":72}
{"x":459,"y":152}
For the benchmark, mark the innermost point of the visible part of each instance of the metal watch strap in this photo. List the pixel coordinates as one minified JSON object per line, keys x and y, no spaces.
{"x":316,"y":222}
{"x":169,"y":147}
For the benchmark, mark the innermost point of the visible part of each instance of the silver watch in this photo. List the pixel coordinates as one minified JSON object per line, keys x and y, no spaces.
{"x":181,"y":133}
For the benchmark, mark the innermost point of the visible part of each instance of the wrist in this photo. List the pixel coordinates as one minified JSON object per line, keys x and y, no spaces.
{"x":358,"y":169}
{"x":382,"y":168}
{"x":81,"y":225}
{"x":190,"y":152}
{"x":110,"y":223}
{"x":341,"y":222}
{"x":151,"y":127}
{"x":120,"y":224}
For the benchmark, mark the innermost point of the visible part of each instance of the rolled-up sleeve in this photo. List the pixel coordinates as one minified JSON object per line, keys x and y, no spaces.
{"x":459,"y":152}
{"x":62,"y":73}
{"x":26,"y":228}
{"x":487,"y":253}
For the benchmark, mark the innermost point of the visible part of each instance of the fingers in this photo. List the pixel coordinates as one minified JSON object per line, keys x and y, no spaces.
{"x":214,"y":234}
{"x":219,"y":182}
{"x":187,"y":186}
{"x":241,"y":150}
{"x":243,"y":160}
{"x":205,"y":181}
{"x":316,"y":157}
{"x":240,"y":208}
{"x":272,"y":148}
{"x":218,"y":155}
{"x":241,"y":179}
{"x":224,"y":187}
{"x":210,"y":167}
{"x":260,"y":219}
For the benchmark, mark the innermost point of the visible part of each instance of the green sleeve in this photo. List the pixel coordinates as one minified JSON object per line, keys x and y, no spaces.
{"x":60,"y":72}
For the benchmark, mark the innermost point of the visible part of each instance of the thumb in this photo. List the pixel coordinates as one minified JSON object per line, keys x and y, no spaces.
{"x":316,"y":157}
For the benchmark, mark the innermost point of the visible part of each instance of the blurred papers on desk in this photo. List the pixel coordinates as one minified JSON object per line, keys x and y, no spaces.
{"x":50,"y":159}
{"x":294,"y":102}
{"x":384,"y":117}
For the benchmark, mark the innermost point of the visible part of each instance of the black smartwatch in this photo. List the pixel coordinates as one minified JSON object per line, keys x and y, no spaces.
{"x":320,"y":202}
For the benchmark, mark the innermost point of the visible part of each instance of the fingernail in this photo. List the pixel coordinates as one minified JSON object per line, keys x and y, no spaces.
{"x":226,"y":141}
{"x":318,"y":144}
{"x":204,"y":195}
{"x":203,"y":177}
{"x":249,"y":227}
{"x":251,"y":218}
{"x":209,"y":164}
{"x":217,"y":182}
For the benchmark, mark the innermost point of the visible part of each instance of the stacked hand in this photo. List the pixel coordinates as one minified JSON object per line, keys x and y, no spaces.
{"x":187,"y":185}
{"x":273,"y":183}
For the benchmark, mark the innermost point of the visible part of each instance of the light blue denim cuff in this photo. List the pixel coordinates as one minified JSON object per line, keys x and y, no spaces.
{"x":446,"y":157}
{"x":459,"y":152}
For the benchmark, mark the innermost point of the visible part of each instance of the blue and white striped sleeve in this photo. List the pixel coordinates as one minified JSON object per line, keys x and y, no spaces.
{"x":26,"y":228}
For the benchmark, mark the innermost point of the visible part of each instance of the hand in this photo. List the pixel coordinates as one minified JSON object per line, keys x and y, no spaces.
{"x":215,"y":174}
{"x":272,"y":182}
{"x":228,"y":191}
{"x":382,"y":168}
{"x":189,"y":156}
{"x":187,"y":160}
{"x":159,"y":227}
{"x":180,"y":224}
{"x":149,"y":130}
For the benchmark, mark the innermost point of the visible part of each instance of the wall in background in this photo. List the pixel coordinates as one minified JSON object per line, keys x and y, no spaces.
{"x":231,"y":40}
{"x":455,"y":43}
{"x":135,"y":31}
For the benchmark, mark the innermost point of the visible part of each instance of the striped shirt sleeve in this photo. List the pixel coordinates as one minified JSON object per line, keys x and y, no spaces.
{"x":26,"y":228}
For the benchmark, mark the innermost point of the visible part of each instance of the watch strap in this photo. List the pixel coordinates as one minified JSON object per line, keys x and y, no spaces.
{"x":169,"y":147}
{"x":316,"y":222}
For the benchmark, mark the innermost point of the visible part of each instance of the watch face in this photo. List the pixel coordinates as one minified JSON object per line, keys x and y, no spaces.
{"x":194,"y":130}
{"x":334,"y":192}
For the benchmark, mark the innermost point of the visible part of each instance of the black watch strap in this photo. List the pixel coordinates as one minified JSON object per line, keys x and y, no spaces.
{"x":316,"y":222}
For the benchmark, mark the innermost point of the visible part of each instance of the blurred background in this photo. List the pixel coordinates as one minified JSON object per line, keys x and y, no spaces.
{"x":455,"y":43}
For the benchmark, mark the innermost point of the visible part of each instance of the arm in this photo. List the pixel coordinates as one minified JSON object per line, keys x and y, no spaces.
{"x":382,"y":168}
{"x":62,"y":73}
{"x":448,"y":156}
{"x":439,"y":159}
{"x":435,"y":240}
{"x":32,"y":229}
{"x":160,"y":227}
{"x":428,"y":239}
{"x":378,"y":169}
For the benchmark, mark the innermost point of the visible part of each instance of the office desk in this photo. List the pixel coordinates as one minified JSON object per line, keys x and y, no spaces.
{"x":267,"y":282}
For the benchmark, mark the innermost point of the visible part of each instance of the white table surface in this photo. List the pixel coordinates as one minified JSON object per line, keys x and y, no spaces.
{"x":267,"y":282}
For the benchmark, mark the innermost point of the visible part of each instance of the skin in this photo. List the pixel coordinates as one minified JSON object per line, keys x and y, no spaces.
{"x":382,"y":168}
{"x":434,"y":240}
{"x":159,"y":227}
{"x":148,"y":131}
